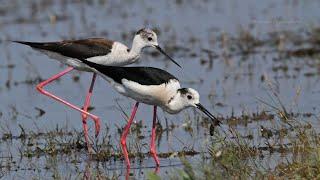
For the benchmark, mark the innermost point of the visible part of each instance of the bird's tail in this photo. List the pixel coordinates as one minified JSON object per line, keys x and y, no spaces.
{"x":31,"y":44}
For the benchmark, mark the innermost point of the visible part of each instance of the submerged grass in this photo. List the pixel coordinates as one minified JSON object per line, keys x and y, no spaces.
{"x":238,"y":159}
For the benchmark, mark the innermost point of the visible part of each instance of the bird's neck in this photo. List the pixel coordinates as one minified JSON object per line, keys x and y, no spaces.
{"x":136,"y":47}
{"x":175,"y":104}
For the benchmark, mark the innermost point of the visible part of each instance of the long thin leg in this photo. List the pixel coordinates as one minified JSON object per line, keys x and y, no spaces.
{"x":153,"y":137}
{"x":125,"y":134}
{"x":128,"y":173}
{"x":85,"y":108}
{"x":42,"y":91}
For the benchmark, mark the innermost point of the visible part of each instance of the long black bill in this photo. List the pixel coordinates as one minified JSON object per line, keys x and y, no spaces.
{"x":159,"y":49}
{"x":215,"y":121}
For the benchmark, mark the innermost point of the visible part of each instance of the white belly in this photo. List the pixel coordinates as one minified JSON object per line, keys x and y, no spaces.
{"x":77,"y":64}
{"x":119,"y":56}
{"x":158,"y":95}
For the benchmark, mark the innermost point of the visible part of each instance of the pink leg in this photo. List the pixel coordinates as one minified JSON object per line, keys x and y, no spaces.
{"x":153,"y":137}
{"x":85,"y":108}
{"x":125,"y":134}
{"x":156,"y":170}
{"x":128,"y":173}
{"x":42,"y":91}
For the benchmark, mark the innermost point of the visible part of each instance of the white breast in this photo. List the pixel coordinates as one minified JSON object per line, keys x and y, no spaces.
{"x":151,"y":94}
{"x":119,"y":56}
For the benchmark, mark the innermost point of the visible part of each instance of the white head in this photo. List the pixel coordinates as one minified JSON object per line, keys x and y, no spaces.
{"x":148,"y":38}
{"x":188,"y":97}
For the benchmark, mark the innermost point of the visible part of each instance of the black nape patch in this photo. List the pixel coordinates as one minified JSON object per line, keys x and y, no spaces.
{"x":141,"y":30}
{"x":183,"y":90}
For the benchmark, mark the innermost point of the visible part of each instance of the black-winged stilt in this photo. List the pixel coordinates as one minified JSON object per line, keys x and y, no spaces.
{"x":150,"y":86}
{"x":97,"y":50}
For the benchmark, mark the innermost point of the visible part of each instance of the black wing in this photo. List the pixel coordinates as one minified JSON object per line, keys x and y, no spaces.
{"x":79,"y":49}
{"x":141,"y":75}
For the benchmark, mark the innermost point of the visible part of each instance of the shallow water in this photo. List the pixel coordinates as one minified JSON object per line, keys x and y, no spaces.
{"x":191,"y":32}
